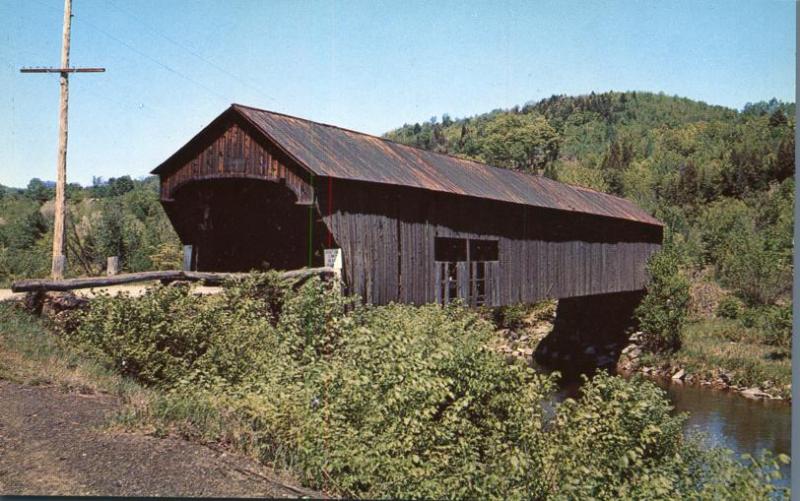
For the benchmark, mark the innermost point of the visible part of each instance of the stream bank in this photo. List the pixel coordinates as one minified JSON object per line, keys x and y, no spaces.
{"x":745,"y":419}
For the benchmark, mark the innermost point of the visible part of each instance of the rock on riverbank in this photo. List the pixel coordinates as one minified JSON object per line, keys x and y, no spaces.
{"x":630,"y":362}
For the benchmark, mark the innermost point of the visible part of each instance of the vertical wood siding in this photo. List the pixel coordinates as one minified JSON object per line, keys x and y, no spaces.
{"x":542,"y":254}
{"x":236,"y":154}
{"x":387,"y":233}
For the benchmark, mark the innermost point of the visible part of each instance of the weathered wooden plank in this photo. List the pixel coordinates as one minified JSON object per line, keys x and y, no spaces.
{"x":210,"y":278}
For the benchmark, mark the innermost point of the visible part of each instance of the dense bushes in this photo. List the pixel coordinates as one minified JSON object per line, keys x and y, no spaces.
{"x":393,"y":401}
{"x":510,"y":316}
{"x":169,"y":336}
{"x":773,"y":322}
{"x":730,"y":307}
{"x":662,"y":312}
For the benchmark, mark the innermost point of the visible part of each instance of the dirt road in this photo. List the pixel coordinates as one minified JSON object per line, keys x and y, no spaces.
{"x":57,"y":443}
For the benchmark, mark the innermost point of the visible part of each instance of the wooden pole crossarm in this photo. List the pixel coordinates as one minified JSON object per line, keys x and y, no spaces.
{"x":62,"y":70}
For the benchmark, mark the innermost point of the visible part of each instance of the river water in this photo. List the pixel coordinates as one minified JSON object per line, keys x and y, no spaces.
{"x":727,"y":419}
{"x":731,"y":421}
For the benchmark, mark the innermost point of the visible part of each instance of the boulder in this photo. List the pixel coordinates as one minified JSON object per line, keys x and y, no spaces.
{"x":180,"y":283}
{"x":678,"y":376}
{"x":755,"y":394}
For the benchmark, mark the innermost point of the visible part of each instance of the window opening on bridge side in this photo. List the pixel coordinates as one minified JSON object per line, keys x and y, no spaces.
{"x":483,"y":256}
{"x":465,"y":269}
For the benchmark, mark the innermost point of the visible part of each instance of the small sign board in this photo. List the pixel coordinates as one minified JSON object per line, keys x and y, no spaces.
{"x":333,"y":258}
{"x":187,"y":258}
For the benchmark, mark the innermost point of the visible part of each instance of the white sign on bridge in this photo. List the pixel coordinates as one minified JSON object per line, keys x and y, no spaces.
{"x":333,"y":258}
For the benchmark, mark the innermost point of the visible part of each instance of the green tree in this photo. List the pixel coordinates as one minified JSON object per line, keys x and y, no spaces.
{"x":615,"y":163}
{"x":38,"y":190}
{"x":520,"y":142}
{"x":783,"y":167}
{"x":120,"y":185}
{"x":662,"y":312}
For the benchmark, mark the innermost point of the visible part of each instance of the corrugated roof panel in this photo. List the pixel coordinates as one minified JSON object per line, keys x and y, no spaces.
{"x":331,"y":151}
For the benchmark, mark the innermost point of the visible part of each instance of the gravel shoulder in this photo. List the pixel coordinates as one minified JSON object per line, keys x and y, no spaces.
{"x":57,"y":443}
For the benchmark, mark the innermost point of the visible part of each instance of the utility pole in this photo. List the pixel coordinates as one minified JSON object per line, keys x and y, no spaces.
{"x":59,"y":259}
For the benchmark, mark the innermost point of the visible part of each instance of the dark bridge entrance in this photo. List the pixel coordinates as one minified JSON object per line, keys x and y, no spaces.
{"x":246,"y":224}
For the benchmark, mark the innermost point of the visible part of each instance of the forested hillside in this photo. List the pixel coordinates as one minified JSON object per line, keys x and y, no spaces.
{"x":721,"y":179}
{"x":117,"y":217}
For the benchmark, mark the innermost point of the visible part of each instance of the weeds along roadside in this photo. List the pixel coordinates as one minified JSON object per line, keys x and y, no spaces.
{"x":30,"y":353}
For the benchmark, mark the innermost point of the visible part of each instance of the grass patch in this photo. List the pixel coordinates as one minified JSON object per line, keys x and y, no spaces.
{"x":31,"y":354}
{"x":721,"y":344}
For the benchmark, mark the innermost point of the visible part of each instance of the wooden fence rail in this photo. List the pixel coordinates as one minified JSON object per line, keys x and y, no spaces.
{"x":208,"y":278}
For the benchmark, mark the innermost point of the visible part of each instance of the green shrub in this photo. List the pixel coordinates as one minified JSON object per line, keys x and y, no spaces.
{"x":621,"y":440}
{"x":662,"y":313}
{"x":421,"y":396}
{"x":511,"y":316}
{"x":168,"y":335}
{"x":616,"y":435}
{"x":773,"y":322}
{"x":390,"y":401}
{"x":730,"y":307}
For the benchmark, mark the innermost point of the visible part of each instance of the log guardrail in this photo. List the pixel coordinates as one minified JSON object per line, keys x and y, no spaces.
{"x":207,"y":277}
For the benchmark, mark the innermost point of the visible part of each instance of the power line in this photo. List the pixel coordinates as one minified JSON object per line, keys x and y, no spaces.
{"x":156,"y":61}
{"x":192,"y":52}
{"x":150,"y":58}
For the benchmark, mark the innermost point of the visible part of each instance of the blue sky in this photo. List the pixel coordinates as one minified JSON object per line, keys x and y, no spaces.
{"x":172,"y":66}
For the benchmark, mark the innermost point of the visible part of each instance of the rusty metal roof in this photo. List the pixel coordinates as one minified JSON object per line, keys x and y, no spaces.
{"x":330,"y":151}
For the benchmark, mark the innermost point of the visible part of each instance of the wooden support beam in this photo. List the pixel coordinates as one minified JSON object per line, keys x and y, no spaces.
{"x":112,"y":266}
{"x":208,"y":278}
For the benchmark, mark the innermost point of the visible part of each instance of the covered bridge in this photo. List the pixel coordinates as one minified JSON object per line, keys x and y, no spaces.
{"x":257,"y":189}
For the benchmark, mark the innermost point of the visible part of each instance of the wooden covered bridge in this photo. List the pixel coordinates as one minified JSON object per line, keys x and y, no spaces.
{"x":257,"y":189}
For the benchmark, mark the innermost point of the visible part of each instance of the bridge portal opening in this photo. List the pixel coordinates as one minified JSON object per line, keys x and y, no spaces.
{"x":239,"y":225}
